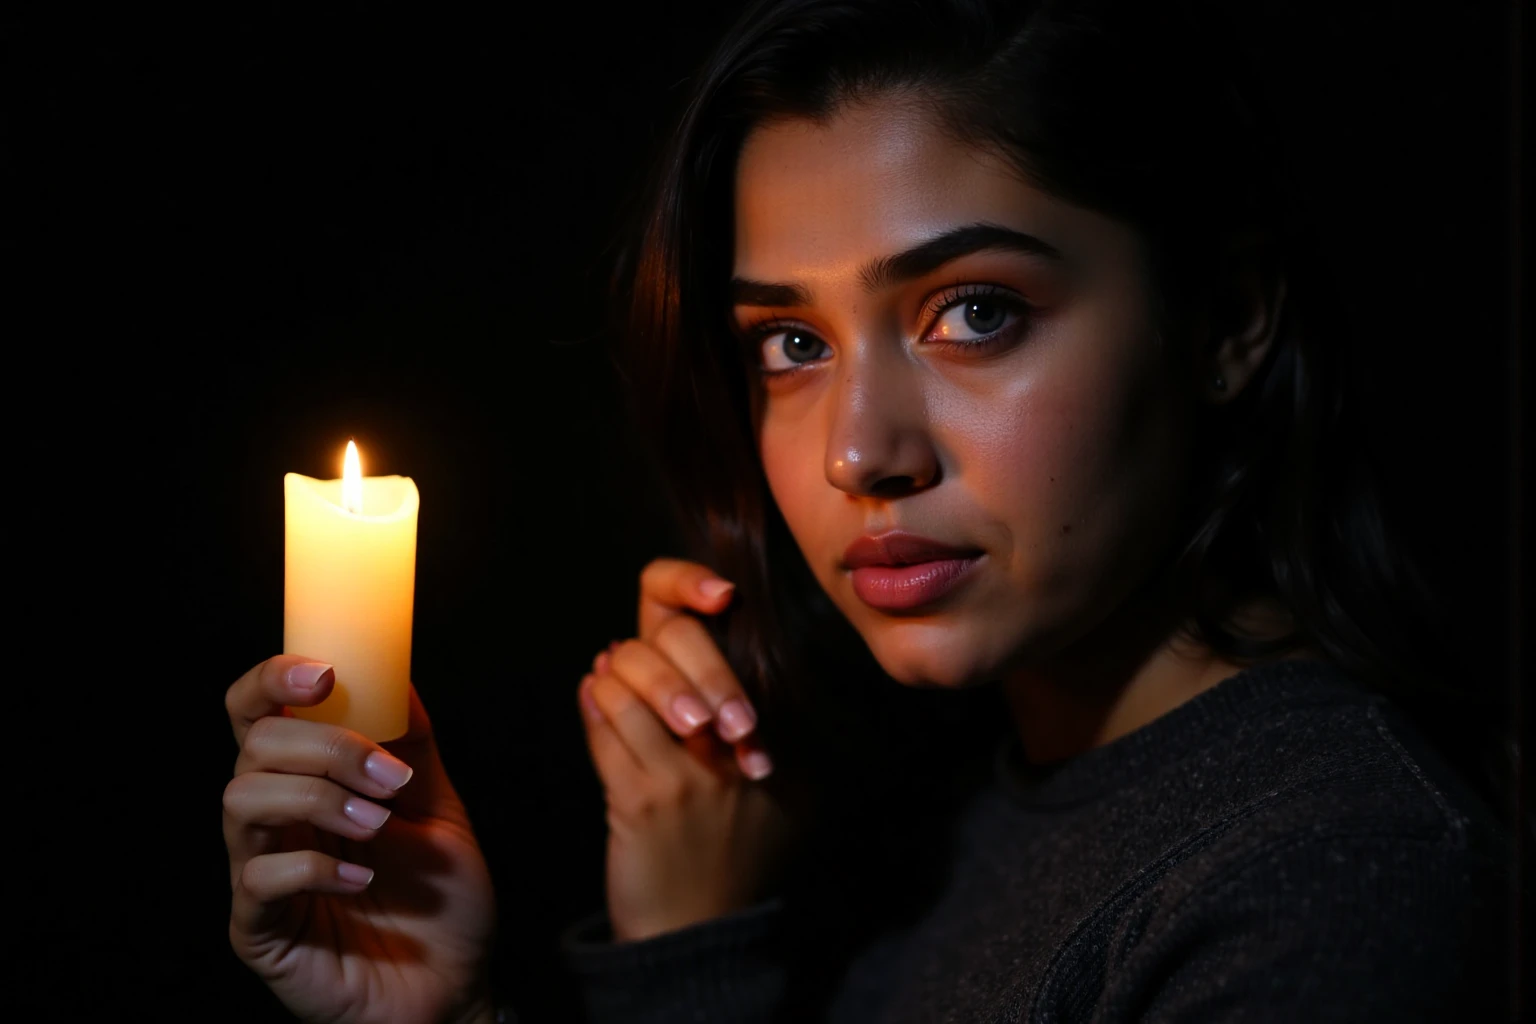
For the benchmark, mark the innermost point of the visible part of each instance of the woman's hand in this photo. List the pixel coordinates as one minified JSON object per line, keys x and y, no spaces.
{"x":346,"y":916}
{"x":692,"y":832}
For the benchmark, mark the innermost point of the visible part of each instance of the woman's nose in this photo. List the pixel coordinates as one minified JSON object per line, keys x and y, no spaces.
{"x":879,"y":444}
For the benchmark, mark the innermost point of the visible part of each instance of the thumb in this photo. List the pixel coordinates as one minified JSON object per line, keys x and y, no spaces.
{"x":669,"y":586}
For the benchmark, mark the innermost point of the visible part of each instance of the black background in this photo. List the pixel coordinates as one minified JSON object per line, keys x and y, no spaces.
{"x":244,"y":233}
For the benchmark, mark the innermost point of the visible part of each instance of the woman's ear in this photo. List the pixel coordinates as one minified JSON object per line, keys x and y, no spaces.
{"x":1246,"y":302}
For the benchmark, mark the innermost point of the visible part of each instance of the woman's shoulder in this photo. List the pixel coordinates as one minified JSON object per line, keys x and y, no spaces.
{"x":1328,"y":755}
{"x":1296,"y":780}
{"x":1345,"y":919}
{"x":1349,"y":812}
{"x":1344,"y":868}
{"x":1294,"y":743}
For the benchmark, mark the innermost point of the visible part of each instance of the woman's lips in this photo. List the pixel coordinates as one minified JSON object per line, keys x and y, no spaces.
{"x":902,"y":571}
{"x":906,"y":587}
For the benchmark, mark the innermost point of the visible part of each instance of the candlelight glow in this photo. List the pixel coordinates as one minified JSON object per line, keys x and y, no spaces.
{"x":352,"y":481}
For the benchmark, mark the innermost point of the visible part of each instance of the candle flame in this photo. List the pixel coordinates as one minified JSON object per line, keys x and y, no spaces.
{"x":352,"y":481}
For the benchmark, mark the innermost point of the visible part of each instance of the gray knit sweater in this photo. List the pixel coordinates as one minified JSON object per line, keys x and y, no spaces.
{"x":1282,"y":847}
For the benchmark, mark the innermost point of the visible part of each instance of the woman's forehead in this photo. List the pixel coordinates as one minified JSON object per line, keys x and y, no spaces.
{"x":817,"y":200}
{"x":865,"y":176}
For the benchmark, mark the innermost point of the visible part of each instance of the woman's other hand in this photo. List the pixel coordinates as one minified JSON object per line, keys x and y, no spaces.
{"x":693,"y":831}
{"x":360,"y":892}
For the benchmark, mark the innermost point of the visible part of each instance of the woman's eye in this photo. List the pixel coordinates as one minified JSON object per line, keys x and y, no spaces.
{"x":972,"y":319}
{"x":785,"y":350}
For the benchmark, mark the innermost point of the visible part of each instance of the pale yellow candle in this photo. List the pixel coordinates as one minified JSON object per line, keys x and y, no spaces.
{"x":349,"y":583}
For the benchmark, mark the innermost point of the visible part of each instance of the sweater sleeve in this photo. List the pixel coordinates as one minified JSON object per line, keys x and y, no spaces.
{"x":1357,"y":929}
{"x":728,"y":970}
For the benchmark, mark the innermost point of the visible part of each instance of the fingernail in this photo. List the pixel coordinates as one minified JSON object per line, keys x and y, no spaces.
{"x":388,"y":771}
{"x":354,"y":873}
{"x":589,"y":702}
{"x":713,"y":588}
{"x":600,"y":664}
{"x":757,"y":765}
{"x":369,"y":815}
{"x":307,"y":676}
{"x":736,"y":720}
{"x":691,"y":711}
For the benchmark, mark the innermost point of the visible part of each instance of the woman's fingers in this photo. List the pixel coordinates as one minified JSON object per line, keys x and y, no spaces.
{"x":290,"y":770}
{"x":673,"y":677}
{"x":641,"y":764}
{"x":685,"y":680}
{"x":668,"y":586}
{"x":300,"y":747}
{"x":287,"y":679}
{"x":627,"y":732}
{"x":611,"y":755}
{"x":266,"y":883}
{"x":658,"y":682}
{"x":752,"y":759}
{"x":634,"y":722}
{"x":686,"y":644}
{"x":257,"y":801}
{"x":634,"y":754}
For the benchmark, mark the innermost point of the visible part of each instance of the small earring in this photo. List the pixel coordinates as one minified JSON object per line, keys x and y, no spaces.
{"x":1220,"y":383}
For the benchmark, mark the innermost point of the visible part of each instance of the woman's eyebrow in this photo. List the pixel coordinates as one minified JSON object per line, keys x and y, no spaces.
{"x":760,"y":293}
{"x":926,"y":257}
{"x":923,"y":258}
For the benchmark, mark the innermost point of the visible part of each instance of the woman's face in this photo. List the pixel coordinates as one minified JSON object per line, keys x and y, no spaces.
{"x":952,"y":355}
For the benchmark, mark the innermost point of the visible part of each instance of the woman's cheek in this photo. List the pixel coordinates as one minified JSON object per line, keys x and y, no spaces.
{"x":1044,"y":454}
{"x":792,"y":465}
{"x":1092,"y":469}
{"x":1016,"y":451}
{"x":1040,"y":458}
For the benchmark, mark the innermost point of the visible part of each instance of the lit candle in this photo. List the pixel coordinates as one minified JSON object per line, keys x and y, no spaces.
{"x":349,"y":580}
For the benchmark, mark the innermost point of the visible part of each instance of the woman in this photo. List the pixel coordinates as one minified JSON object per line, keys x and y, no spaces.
{"x":985,"y":358}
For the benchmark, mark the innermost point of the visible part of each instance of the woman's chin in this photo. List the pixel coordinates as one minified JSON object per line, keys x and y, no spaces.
{"x":930,"y":655}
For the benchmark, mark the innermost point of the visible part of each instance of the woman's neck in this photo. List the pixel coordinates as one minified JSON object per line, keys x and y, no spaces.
{"x":1137,"y":666}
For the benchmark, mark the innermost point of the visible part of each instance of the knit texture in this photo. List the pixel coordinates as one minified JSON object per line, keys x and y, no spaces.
{"x":1282,"y":847}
